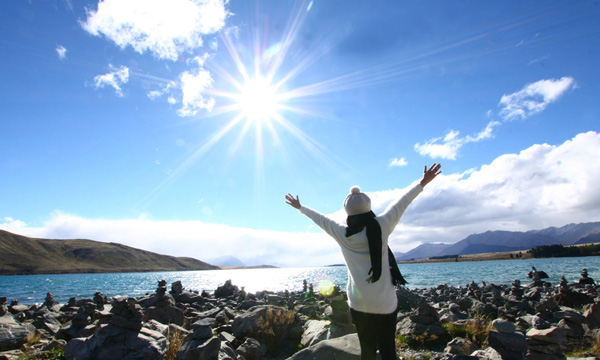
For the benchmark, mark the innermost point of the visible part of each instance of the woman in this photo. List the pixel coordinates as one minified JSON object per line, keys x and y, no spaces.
{"x":364,"y":244}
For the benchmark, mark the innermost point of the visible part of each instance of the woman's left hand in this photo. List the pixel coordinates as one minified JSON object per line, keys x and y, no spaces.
{"x":293,"y":202}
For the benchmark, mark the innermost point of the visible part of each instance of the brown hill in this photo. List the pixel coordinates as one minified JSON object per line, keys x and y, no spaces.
{"x":24,"y":255}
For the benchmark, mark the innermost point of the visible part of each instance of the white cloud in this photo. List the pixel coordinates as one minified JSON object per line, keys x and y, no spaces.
{"x":61,"y":51}
{"x":164,"y":89}
{"x":449,"y":146}
{"x":398,"y":162}
{"x":167,"y":29}
{"x":194,"y":86}
{"x":192,"y":238}
{"x":164,"y":28}
{"x":115,"y":78}
{"x":543,"y":185}
{"x":154,"y":94}
{"x":534,"y":98}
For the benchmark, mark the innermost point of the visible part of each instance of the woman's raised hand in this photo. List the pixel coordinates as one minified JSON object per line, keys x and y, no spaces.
{"x":429,"y":175}
{"x":293,"y":202}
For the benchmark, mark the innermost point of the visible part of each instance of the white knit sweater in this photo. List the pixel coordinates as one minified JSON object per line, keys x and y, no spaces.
{"x":378,"y":297}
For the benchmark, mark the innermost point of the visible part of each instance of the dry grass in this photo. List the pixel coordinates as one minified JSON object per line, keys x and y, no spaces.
{"x":475,"y":330}
{"x":272,"y":328}
{"x":175,"y":340}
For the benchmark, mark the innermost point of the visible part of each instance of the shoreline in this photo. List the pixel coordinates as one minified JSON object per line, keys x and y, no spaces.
{"x":508,"y":255}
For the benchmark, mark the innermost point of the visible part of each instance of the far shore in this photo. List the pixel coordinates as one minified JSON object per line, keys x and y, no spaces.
{"x":509,"y":255}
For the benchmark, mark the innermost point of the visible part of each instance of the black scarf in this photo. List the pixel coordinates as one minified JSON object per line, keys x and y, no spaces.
{"x":355,"y":225}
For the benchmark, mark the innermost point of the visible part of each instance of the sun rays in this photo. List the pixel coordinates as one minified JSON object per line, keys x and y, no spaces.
{"x":263,"y":98}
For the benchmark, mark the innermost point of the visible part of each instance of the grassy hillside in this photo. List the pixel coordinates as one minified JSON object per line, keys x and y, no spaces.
{"x":24,"y":255}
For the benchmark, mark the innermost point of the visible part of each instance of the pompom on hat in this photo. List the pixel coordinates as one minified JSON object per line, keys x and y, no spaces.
{"x":357,"y":202}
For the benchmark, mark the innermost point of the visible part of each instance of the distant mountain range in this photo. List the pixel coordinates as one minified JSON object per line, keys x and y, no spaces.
{"x":24,"y":255}
{"x":228,"y":261}
{"x":502,"y":241}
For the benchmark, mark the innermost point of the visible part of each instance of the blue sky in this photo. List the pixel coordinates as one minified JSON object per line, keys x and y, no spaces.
{"x":179,"y":128}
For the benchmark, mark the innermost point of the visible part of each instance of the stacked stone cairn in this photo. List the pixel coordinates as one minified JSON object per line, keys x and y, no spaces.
{"x":3,"y":302}
{"x":507,"y":341}
{"x":585,"y":279}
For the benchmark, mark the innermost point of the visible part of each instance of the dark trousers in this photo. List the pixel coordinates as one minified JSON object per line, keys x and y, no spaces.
{"x":376,"y":331}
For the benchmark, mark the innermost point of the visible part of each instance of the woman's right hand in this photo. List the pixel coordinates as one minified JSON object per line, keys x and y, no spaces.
{"x":429,"y":175}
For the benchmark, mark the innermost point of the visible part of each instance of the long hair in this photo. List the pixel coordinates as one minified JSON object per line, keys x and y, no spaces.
{"x":356,"y":223}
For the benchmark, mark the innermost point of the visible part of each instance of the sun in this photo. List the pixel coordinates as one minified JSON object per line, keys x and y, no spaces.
{"x":259,"y":100}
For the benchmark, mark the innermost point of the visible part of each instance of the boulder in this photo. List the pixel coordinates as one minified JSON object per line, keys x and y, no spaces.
{"x":504,"y":326}
{"x":207,"y":349}
{"x":166,"y":314}
{"x":251,"y":349}
{"x":314,"y":331}
{"x":342,"y":348}
{"x":509,"y":345}
{"x":268,"y":324}
{"x":114,"y":342}
{"x":592,"y":315}
{"x":407,"y":327}
{"x":227,"y":353}
{"x":12,"y":333}
{"x":554,"y":335}
{"x":460,"y":346}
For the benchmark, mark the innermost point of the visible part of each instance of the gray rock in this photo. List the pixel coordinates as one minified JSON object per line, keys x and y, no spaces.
{"x":342,"y":348}
{"x":592,"y":314}
{"x":202,"y":333}
{"x":268,"y":324}
{"x":314,"y":331}
{"x":207,"y":349}
{"x":539,"y":323}
{"x":407,"y":327}
{"x":48,"y":323}
{"x":552,"y":335}
{"x":113,"y":342}
{"x":12,"y":333}
{"x":510,"y":346}
{"x":504,"y":326}
{"x":227,"y":353}
{"x":166,"y":314}
{"x":252,"y":349}
{"x":460,"y":346}
{"x":573,"y":329}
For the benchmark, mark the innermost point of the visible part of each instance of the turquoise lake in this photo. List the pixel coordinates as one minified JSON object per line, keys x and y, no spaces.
{"x":30,"y":289}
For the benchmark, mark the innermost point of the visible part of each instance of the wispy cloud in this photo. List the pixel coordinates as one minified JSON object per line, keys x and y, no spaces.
{"x":538,"y":60}
{"x":114,"y":78}
{"x":534,"y":98}
{"x":61,"y":51}
{"x":165,"y":28}
{"x":396,"y":162}
{"x":543,"y":185}
{"x":530,"y":100}
{"x":447,"y":147}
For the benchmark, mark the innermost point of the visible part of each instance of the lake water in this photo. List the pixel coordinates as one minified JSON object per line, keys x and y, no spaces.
{"x":30,"y":289}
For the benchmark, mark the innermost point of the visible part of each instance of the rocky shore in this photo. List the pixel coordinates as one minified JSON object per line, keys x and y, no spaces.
{"x":477,"y":321}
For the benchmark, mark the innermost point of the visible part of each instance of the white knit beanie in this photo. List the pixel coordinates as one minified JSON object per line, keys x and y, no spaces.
{"x":357,"y":202}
